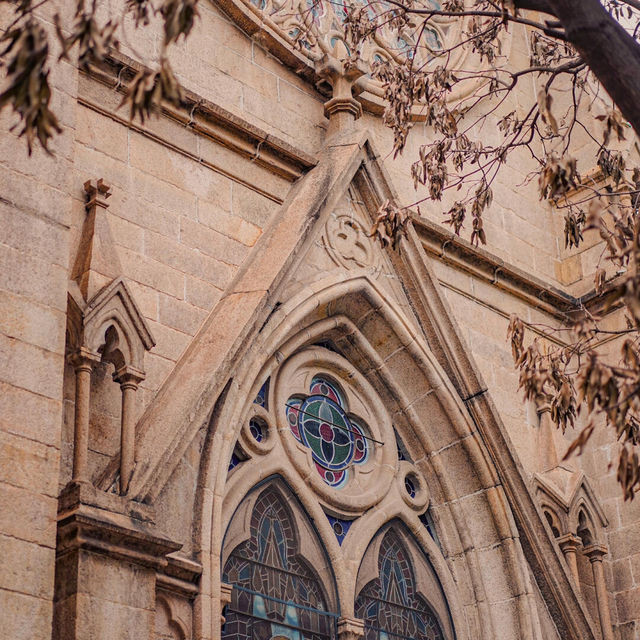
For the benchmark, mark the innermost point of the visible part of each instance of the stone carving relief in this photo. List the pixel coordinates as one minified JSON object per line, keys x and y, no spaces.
{"x":349,"y":244}
{"x":168,"y":623}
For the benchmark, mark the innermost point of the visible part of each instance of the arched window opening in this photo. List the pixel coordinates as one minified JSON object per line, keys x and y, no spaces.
{"x":584,"y":529}
{"x":275,"y":592}
{"x":390,"y":605}
{"x":553,"y":523}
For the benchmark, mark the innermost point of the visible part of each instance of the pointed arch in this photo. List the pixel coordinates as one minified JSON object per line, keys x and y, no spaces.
{"x":399,"y":594}
{"x":282,"y":584}
{"x":354,"y":313}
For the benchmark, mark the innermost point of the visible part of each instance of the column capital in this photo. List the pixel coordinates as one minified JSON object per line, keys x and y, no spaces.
{"x":569,"y":542}
{"x":350,"y":628}
{"x":595,"y":552}
{"x":83,"y":359}
{"x":128,"y":376}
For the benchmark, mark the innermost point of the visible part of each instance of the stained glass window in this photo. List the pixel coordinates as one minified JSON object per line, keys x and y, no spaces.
{"x":340,"y":527}
{"x":389,"y":604}
{"x":275,"y":593}
{"x":262,"y":398}
{"x":320,"y":422}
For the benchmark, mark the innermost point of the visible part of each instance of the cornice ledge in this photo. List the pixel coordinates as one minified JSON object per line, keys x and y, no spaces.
{"x":180,"y":575}
{"x":211,"y":120}
{"x":460,"y":253}
{"x":110,"y":525}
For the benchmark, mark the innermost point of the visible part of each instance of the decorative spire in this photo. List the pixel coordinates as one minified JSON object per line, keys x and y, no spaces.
{"x":343,"y":75}
{"x":97,"y":263}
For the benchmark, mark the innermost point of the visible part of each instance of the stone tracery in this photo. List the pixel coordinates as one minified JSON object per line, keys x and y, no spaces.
{"x":320,"y":422}
{"x":321,"y":386}
{"x":390,"y":604}
{"x":309,"y":31}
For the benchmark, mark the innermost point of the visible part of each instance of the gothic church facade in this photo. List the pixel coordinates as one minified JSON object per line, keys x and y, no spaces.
{"x":228,"y":412}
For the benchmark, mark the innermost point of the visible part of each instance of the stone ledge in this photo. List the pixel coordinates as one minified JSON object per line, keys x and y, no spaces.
{"x":180,"y":575}
{"x":210,"y":120}
{"x":86,"y":521}
{"x":462,"y":255}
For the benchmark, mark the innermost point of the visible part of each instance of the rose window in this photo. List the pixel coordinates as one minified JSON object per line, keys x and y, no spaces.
{"x":320,"y":422}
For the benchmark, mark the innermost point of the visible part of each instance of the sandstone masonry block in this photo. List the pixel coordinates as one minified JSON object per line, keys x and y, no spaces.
{"x":27,"y":515}
{"x":17,"y":404}
{"x":27,"y":568}
{"x":19,"y":608}
{"x":28,"y":464}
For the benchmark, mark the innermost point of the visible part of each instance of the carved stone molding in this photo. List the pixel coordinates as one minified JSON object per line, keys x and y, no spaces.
{"x":225,"y":598}
{"x":302,"y":32}
{"x":89,"y":520}
{"x":180,"y":576}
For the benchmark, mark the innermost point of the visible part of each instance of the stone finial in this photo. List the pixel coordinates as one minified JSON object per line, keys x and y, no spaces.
{"x":547,"y":452}
{"x":98,"y":191}
{"x":343,"y":76}
{"x":97,"y":263}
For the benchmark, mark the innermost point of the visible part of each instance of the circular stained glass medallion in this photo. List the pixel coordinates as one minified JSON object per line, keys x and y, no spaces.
{"x":320,"y":422}
{"x":257,"y":430}
{"x":410,"y":486}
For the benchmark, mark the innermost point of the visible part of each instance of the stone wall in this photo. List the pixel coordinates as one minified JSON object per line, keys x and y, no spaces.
{"x":186,"y":210}
{"x":35,"y":208}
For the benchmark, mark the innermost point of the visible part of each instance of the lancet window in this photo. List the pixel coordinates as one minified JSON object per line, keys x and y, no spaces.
{"x":390,"y":605}
{"x":275,"y":592}
{"x":318,"y":430}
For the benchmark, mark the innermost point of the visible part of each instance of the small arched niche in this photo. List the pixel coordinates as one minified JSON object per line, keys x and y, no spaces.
{"x":282,"y":583}
{"x":398,"y":592}
{"x":553,"y":521}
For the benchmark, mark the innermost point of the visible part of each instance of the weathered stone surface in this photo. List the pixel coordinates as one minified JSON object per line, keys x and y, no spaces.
{"x":231,"y":282}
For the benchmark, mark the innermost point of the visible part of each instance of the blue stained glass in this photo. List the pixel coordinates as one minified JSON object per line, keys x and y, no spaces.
{"x":275,"y":593}
{"x":432,"y":40}
{"x":320,"y":422}
{"x":234,"y":462}
{"x":403,"y":454}
{"x":237,"y":456}
{"x":263,"y":395}
{"x":340,"y":527}
{"x":390,"y":605}
{"x":427,"y":520}
{"x":410,"y":487}
{"x":257,"y":430}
